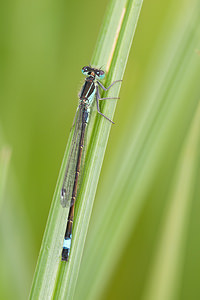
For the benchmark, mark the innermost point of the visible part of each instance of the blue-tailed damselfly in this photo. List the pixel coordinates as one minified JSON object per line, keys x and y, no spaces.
{"x":89,"y":91}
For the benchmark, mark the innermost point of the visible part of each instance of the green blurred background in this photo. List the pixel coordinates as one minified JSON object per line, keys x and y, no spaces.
{"x":44,"y":45}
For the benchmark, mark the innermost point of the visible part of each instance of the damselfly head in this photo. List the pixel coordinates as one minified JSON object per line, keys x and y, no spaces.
{"x":87,"y":70}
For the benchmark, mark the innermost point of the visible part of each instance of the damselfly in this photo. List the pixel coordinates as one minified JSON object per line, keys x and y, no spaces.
{"x":90,"y":90}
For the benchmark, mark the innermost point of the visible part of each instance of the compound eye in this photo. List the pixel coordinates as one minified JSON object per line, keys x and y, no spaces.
{"x":100,"y":74}
{"x":84,"y":70}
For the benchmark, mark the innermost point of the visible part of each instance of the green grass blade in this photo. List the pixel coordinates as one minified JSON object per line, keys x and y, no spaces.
{"x":169,"y":108}
{"x":51,"y":276}
{"x":167,"y":266}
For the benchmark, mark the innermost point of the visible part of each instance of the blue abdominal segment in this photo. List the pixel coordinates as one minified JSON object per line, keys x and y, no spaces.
{"x":67,"y":243}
